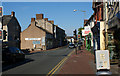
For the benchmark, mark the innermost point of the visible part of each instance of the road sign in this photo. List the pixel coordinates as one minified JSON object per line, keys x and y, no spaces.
{"x":102,"y":59}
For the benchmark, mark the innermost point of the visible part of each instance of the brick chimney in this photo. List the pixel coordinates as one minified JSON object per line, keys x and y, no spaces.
{"x":32,"y":19}
{"x":39,"y":16}
{"x":13,"y":14}
{"x":52,"y":22}
{"x":46,"y":19}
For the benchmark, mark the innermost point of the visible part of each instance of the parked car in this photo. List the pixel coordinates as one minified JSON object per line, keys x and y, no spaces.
{"x":71,"y":46}
{"x":12,"y":54}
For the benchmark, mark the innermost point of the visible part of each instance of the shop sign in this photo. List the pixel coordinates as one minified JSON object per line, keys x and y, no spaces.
{"x":32,"y":38}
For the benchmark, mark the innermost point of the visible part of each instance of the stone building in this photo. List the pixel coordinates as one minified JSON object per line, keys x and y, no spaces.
{"x":59,"y":36}
{"x":11,"y":30}
{"x":41,"y":34}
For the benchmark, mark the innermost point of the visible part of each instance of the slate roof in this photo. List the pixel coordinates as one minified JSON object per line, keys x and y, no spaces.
{"x":6,"y":19}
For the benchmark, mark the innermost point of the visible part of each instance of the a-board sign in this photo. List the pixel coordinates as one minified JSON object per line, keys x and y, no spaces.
{"x":102,"y":59}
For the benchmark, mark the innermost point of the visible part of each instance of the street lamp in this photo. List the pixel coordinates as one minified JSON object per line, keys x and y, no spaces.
{"x":80,"y":11}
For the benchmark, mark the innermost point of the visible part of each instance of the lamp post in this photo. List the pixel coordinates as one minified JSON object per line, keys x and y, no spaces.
{"x":80,"y":11}
{"x":84,"y":15}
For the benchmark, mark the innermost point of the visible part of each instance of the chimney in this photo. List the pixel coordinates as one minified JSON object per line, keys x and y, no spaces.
{"x":39,"y":16}
{"x":46,"y":19}
{"x":13,"y":14}
{"x":32,"y":19}
{"x":52,"y":22}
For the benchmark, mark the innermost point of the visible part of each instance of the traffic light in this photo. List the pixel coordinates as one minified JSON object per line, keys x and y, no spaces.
{"x":75,"y":34}
{"x":0,"y":34}
{"x":1,"y":10}
{"x":4,"y":34}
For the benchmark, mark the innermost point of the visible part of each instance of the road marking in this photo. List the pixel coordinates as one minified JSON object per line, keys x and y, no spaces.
{"x":58,"y":65}
{"x":55,"y":67}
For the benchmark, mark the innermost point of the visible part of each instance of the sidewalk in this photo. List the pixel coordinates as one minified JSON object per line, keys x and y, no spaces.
{"x":82,"y":63}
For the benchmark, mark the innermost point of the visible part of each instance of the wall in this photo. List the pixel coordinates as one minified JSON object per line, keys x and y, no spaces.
{"x":102,"y":37}
{"x":13,"y":30}
{"x":32,"y":32}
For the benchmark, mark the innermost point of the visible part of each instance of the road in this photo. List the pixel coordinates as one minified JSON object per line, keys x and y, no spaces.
{"x":39,"y":62}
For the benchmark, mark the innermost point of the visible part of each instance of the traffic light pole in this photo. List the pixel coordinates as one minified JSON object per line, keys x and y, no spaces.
{"x":75,"y":40}
{"x":1,"y":37}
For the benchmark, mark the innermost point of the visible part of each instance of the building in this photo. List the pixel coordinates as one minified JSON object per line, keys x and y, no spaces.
{"x":100,"y":25}
{"x":60,"y":36}
{"x":113,"y":29}
{"x":89,"y":41}
{"x":11,"y":31}
{"x":42,"y":34}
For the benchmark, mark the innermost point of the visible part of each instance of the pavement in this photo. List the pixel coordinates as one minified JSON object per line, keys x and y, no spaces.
{"x":82,"y":63}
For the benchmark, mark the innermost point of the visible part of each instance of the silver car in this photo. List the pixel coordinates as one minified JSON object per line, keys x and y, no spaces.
{"x":71,"y":46}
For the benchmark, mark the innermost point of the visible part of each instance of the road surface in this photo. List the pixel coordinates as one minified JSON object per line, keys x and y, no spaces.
{"x":39,"y":63}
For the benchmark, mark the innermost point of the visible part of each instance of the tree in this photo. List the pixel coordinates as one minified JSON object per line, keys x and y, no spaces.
{"x":80,"y":31}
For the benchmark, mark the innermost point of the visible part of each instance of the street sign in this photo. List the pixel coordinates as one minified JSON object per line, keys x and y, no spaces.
{"x":102,"y":59}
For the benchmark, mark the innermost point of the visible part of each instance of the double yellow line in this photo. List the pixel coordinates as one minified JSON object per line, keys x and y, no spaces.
{"x":58,"y":65}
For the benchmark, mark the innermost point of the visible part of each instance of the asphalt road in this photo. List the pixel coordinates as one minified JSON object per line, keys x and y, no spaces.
{"x":39,"y":62}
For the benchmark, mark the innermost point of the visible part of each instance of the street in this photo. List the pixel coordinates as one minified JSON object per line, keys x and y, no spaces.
{"x":40,"y":62}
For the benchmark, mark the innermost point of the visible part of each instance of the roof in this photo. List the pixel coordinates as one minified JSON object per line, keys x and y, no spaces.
{"x":6,"y":19}
{"x":43,"y":29}
{"x":39,"y":28}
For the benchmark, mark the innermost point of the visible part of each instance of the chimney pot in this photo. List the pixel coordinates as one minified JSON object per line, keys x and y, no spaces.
{"x":52,"y":22}
{"x":32,"y":19}
{"x":13,"y":13}
{"x":39,"y":16}
{"x":46,"y":19}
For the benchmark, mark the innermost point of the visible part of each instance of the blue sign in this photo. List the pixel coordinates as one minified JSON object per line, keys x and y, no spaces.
{"x":36,"y":42}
